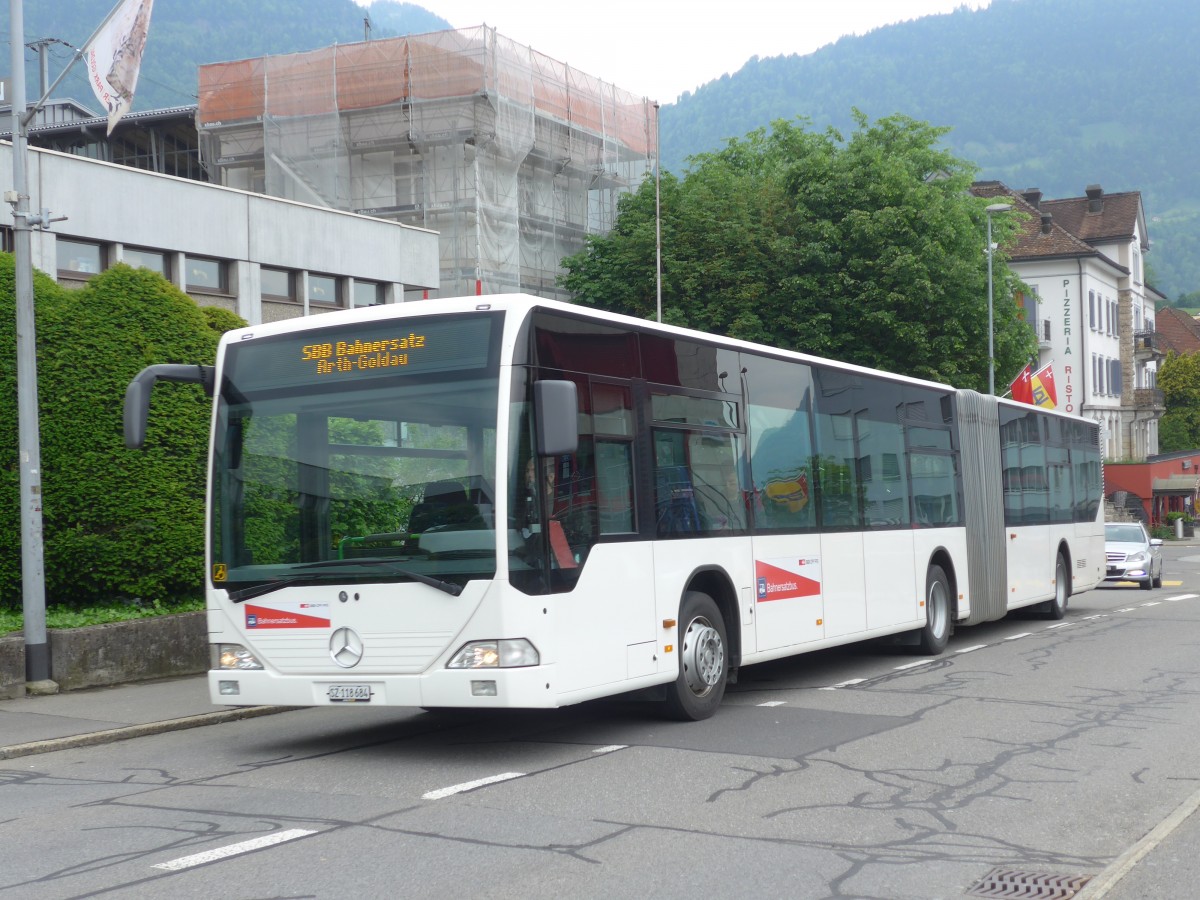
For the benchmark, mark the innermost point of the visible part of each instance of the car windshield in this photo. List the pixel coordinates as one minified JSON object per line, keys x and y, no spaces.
{"x":1124,"y":534}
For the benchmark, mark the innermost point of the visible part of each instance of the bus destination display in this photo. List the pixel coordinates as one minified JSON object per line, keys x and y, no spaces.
{"x":371,"y":350}
{"x":359,"y":355}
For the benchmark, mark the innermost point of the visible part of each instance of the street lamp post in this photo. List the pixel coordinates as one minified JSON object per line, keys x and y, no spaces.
{"x":994,"y":208}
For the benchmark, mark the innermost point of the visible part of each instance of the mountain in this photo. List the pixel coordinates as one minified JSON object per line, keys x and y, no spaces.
{"x":188,"y":33}
{"x":1053,"y":94}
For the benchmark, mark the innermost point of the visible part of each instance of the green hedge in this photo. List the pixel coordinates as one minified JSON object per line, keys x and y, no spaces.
{"x":119,"y":525}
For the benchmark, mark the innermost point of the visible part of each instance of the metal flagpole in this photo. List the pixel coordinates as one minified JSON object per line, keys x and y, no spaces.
{"x":33,"y":586}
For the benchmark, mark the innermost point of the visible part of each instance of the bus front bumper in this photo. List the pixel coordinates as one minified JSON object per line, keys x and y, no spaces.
{"x":529,"y":687}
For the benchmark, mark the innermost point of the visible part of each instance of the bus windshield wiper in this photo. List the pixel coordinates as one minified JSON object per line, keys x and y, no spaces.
{"x":270,"y":587}
{"x":453,"y":589}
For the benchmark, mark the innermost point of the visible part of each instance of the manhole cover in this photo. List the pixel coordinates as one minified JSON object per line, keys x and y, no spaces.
{"x":1034,"y":885}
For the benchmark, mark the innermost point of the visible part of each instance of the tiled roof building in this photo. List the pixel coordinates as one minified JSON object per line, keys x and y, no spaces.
{"x":1092,"y":310}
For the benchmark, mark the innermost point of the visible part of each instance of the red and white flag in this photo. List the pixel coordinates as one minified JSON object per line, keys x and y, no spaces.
{"x":1035,"y":388}
{"x":1022,"y":387}
{"x":114,"y":56}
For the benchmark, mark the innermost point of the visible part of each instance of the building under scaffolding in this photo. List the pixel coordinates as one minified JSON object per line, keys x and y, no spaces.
{"x":511,"y":156}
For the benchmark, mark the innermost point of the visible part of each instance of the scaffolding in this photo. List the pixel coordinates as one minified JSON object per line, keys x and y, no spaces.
{"x":511,"y":156}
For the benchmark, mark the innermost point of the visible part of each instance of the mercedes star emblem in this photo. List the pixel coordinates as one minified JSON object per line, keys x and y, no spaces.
{"x":346,"y":648}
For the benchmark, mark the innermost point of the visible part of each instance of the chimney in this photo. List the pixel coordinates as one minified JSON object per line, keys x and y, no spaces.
{"x":1033,"y":197}
{"x":1095,"y":196}
{"x":1046,"y":218}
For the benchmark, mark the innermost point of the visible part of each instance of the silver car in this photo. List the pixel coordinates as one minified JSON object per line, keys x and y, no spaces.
{"x":1132,"y":554}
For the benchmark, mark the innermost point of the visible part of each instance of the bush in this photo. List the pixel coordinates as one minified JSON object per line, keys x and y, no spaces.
{"x":119,"y":525}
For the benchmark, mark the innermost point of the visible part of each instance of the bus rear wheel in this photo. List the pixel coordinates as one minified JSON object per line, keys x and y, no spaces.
{"x":1057,"y":608}
{"x":938,"y":613}
{"x":703,"y":660}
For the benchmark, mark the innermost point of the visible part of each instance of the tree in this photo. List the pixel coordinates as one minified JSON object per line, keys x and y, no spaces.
{"x":867,"y":250}
{"x":1179,"y":380}
{"x":118,"y":524}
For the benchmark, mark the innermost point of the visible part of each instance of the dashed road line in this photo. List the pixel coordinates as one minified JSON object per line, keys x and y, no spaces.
{"x":1012,"y":637}
{"x":199,"y":859}
{"x":470,"y":785}
{"x":611,"y":748}
{"x":773,"y":703}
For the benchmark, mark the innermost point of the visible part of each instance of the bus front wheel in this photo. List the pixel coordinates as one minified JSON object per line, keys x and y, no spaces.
{"x":938,"y":612}
{"x":703,"y":660}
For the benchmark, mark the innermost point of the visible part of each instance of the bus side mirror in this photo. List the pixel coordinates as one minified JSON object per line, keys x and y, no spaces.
{"x":555,"y":409}
{"x":137,"y":395}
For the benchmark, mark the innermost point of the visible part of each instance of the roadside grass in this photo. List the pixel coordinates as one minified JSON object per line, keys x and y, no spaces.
{"x":68,"y":617}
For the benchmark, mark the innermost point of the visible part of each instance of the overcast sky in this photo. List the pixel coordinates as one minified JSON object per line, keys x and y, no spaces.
{"x":661,"y":48}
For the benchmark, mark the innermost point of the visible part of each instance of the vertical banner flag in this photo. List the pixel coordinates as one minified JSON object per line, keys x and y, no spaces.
{"x":114,"y":56}
{"x":1042,"y":385}
{"x":1022,"y":388}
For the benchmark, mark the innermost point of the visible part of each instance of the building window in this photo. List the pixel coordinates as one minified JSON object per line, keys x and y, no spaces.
{"x":154,"y":260}
{"x":277,"y":284}
{"x":367,"y":293}
{"x":322,"y":289}
{"x":75,"y":257}
{"x":6,"y":239}
{"x":205,"y":276}
{"x":1092,"y":310}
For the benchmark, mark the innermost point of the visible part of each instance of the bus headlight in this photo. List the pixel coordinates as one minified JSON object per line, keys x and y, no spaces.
{"x":233,"y":656}
{"x":506,"y":654}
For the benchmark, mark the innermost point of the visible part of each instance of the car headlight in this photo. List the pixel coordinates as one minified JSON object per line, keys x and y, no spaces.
{"x":1137,"y":559}
{"x":504,"y":654}
{"x":233,"y":656}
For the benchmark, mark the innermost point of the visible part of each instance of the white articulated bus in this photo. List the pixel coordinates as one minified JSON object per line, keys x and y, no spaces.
{"x":508,"y":502}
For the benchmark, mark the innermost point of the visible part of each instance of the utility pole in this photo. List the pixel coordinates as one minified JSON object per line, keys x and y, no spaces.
{"x":33,"y":583}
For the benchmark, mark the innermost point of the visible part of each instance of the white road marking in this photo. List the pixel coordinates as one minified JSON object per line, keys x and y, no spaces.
{"x":913,"y":665}
{"x":1059,"y":625}
{"x":1181,"y":597}
{"x":1127,"y":609}
{"x":1013,"y":637}
{"x":1099,"y":616}
{"x":199,"y":859}
{"x":972,"y":649}
{"x":842,"y":684}
{"x":775,"y":702}
{"x":1152,"y":603}
{"x":470,"y":785}
{"x":610,"y":748}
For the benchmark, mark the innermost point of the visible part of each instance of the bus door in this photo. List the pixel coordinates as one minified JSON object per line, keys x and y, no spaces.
{"x":790,"y":571}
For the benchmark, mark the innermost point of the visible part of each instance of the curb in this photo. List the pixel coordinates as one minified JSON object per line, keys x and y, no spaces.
{"x":1101,"y":884}
{"x":111,"y":735}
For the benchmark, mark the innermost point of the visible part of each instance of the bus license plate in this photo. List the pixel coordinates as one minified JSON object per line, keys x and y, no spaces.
{"x":350,"y":693}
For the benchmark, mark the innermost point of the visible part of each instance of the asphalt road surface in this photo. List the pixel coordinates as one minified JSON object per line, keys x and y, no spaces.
{"x":1032,"y":750}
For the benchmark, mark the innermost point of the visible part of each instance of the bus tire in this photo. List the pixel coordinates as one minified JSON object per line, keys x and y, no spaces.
{"x":1057,"y":608}
{"x":939,"y":613}
{"x":703,"y":660}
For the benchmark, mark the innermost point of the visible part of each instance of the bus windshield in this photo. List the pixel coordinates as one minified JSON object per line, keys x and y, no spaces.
{"x":356,"y":454}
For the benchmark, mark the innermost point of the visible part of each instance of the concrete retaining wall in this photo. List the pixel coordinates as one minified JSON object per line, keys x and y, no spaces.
{"x":129,"y":651}
{"x":12,"y":667}
{"x":126,"y":651}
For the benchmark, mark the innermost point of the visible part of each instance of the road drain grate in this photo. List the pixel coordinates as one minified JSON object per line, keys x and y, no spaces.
{"x":1034,"y":885}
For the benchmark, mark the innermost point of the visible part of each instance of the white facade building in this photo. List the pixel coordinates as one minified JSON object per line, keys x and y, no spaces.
{"x":1092,"y":310}
{"x":261,"y":257}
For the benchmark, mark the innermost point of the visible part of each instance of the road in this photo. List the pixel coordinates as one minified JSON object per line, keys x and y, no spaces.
{"x":1046,"y":749}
